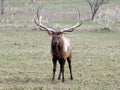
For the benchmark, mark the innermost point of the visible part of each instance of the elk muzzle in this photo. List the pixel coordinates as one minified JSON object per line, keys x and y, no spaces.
{"x":55,"y":41}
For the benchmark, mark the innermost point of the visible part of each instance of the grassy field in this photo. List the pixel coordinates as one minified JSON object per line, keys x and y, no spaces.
{"x":25,"y":60}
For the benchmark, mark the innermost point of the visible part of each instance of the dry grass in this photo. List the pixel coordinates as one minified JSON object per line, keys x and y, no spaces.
{"x":25,"y":60}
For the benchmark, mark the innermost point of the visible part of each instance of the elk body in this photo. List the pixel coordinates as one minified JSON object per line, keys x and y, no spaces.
{"x":60,"y":50}
{"x":60,"y":45}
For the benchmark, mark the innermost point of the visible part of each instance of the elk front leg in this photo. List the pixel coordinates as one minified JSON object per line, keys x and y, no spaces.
{"x":54,"y":67}
{"x":59,"y":77}
{"x":62,"y":68}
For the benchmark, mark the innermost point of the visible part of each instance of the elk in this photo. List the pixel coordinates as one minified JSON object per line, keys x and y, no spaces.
{"x":60,"y":45}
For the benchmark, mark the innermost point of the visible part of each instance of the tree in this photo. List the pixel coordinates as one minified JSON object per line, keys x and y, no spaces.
{"x":95,"y":5}
{"x":33,"y":1}
{"x":2,"y":8}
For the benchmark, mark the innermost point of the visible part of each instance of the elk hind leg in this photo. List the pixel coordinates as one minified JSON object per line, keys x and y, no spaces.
{"x":70,"y":67}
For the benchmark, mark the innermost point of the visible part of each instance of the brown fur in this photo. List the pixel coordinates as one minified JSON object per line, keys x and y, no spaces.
{"x":59,"y":54}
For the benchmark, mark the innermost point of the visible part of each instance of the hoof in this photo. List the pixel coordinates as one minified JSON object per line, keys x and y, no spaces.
{"x":52,"y":79}
{"x":71,"y":78}
{"x":58,"y":78}
{"x":63,"y":81}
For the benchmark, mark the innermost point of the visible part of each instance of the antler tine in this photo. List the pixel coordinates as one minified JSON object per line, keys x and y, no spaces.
{"x":39,"y":23}
{"x":78,"y":24}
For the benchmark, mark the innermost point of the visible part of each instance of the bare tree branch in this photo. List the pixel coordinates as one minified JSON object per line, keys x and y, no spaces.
{"x":2,"y":9}
{"x":95,"y":5}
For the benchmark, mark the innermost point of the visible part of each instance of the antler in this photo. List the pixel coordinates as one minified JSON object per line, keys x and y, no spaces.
{"x":49,"y":30}
{"x":39,"y":22}
{"x":70,"y":29}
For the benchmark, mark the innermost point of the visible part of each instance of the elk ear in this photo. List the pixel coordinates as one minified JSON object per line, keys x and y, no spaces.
{"x":51,"y":33}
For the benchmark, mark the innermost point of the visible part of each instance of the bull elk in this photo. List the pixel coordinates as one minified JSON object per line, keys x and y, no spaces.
{"x":60,"y":45}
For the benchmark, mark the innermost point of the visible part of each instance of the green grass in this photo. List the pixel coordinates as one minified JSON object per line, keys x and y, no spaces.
{"x":25,"y":61}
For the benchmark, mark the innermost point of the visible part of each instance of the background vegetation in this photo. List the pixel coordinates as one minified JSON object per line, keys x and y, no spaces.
{"x":25,"y":60}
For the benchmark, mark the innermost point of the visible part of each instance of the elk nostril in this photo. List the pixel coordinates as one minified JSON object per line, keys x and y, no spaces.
{"x":55,"y":43}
